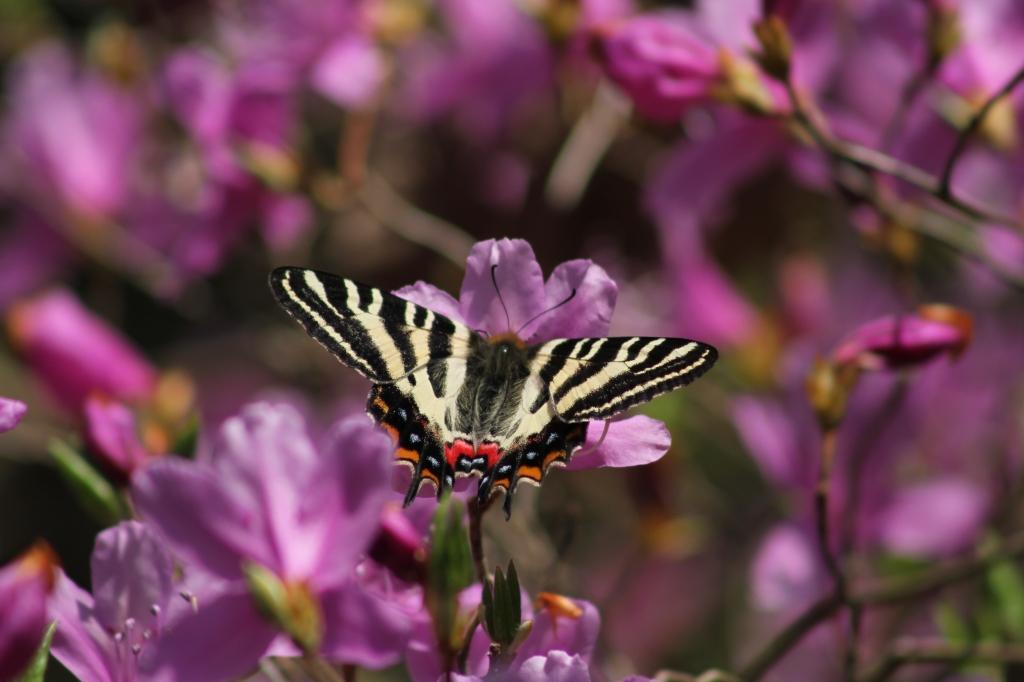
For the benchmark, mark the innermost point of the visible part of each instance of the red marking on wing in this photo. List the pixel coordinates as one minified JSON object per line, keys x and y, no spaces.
{"x":492,"y":452}
{"x":457,"y":449}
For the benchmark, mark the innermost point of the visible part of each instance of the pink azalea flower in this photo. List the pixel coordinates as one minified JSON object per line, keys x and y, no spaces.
{"x":661,"y":63}
{"x":76,"y":134}
{"x":74,"y":353}
{"x":110,"y":634}
{"x":11,"y":412}
{"x":628,"y":442}
{"x":491,"y":64}
{"x":569,"y":635}
{"x":267,"y":497}
{"x":24,"y":586}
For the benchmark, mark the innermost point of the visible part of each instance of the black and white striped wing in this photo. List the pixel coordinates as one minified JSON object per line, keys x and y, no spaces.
{"x":383,"y":337}
{"x":600,"y":377}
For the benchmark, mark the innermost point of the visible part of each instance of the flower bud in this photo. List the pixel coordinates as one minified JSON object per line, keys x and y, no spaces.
{"x":776,"y":47}
{"x":449,"y":571}
{"x":74,"y":352}
{"x":902,"y":341}
{"x":290,"y":606}
{"x":398,"y":547}
{"x":828,"y":388}
{"x":112,"y":436}
{"x":24,"y":587}
{"x":662,"y":65}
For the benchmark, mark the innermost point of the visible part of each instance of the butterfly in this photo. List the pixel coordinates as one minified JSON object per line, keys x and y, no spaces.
{"x":457,"y":402}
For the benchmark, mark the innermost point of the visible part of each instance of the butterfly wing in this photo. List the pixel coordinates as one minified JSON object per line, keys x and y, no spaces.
{"x":599,"y":378}
{"x":381,"y":336}
{"x":414,"y":357}
{"x":575,"y":380}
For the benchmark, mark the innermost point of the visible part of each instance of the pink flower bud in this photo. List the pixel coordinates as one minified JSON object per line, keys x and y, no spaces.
{"x":74,"y":352}
{"x":11,"y":412}
{"x":900,"y":341}
{"x":112,"y":434}
{"x":399,"y":547}
{"x":24,"y":586}
{"x":661,"y":63}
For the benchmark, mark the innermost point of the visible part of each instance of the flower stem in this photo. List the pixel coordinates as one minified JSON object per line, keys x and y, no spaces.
{"x":476,"y":542}
{"x":944,"y":190}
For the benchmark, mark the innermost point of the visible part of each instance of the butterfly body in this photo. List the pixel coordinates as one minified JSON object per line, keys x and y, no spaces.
{"x":458,"y":403}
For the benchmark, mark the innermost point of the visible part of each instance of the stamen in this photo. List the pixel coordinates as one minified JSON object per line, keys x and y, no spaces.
{"x":136,"y":649}
{"x":192,"y":600}
{"x":154,"y":610}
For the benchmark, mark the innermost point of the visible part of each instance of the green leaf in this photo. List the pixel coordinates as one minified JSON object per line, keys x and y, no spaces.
{"x":36,"y":669}
{"x":1007,"y":585}
{"x":187,"y":438}
{"x":449,"y":570}
{"x":95,"y":493}
{"x":515,"y":600}
{"x":950,"y":623}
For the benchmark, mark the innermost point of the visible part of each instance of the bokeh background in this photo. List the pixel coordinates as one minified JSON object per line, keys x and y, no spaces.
{"x":158,"y":158}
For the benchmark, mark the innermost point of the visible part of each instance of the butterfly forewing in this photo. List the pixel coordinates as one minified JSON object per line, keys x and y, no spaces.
{"x":381,"y":336}
{"x":598,"y":378}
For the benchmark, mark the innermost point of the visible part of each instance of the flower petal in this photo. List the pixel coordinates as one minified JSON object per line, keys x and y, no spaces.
{"x":356,"y":490}
{"x":185,"y":504}
{"x":519,"y":279}
{"x":79,"y":642}
{"x":361,"y":628}
{"x":557,"y":666}
{"x":223,"y":640}
{"x":786,"y":574}
{"x":432,"y":298}
{"x":575,"y":636}
{"x":589,"y":313}
{"x":349,"y":72}
{"x":11,"y":412}
{"x":629,"y":442}
{"x":268,"y":465}
{"x":131,"y":572}
{"x":934,"y":519}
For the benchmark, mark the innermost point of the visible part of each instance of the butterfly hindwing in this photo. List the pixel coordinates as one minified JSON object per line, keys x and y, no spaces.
{"x":378,"y":334}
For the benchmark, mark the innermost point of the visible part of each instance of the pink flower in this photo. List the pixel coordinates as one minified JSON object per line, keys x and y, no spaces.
{"x":74,"y":353}
{"x":24,"y":586}
{"x":661,"y":63}
{"x":628,"y":442}
{"x":107,"y":636}
{"x":491,"y":64}
{"x":11,"y":412}
{"x":786,"y":574}
{"x":77,"y":135}
{"x":955,"y":505}
{"x":907,"y":340}
{"x":267,"y":500}
{"x":111,"y":432}
{"x":562,"y":639}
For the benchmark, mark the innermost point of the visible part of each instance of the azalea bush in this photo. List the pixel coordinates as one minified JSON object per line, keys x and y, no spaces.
{"x":831,"y":193}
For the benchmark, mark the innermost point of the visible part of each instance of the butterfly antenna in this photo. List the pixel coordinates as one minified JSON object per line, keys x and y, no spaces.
{"x":558,"y":305}
{"x":494,"y":281}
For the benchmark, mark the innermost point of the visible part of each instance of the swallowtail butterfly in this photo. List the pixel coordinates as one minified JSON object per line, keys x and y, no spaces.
{"x":458,"y":403}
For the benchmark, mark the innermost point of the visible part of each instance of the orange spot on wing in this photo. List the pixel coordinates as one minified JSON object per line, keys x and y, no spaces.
{"x":530,"y":472}
{"x":407,"y":455}
{"x":379,"y":403}
{"x":430,"y":475}
{"x":392,"y":431}
{"x":552,"y":456}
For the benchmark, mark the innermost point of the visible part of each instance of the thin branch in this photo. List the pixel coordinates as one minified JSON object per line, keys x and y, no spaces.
{"x":873,"y":160}
{"x":790,"y":636}
{"x":413,"y":223}
{"x":946,"y":179}
{"x":930,"y":651}
{"x":821,"y":518}
{"x":585,"y":146}
{"x":883,"y":593}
